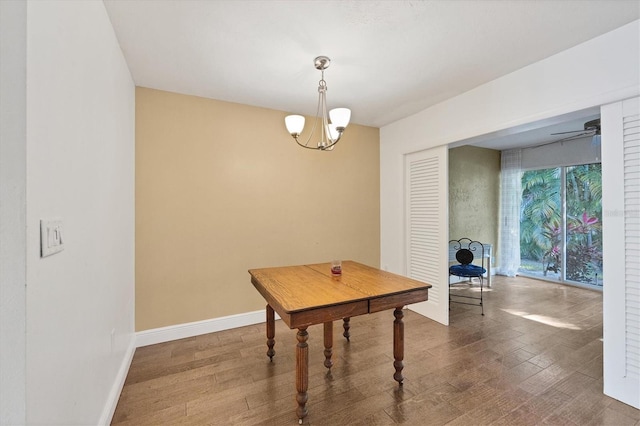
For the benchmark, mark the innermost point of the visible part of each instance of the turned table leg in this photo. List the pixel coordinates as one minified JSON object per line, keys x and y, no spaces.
{"x":271,"y":332}
{"x":398,"y":344}
{"x":346,"y":326}
{"x":302,"y":373}
{"x":328,"y":344}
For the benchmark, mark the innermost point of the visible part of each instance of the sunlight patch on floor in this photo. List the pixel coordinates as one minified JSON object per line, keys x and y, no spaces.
{"x":543,"y":319}
{"x":469,"y":289}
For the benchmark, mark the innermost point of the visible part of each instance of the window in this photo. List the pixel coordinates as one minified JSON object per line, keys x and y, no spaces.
{"x":560,"y":224}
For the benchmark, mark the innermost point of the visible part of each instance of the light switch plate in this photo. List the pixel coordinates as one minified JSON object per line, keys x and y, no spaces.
{"x":51,"y":237}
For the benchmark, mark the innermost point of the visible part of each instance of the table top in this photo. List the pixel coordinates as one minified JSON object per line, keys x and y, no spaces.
{"x":292,"y":290}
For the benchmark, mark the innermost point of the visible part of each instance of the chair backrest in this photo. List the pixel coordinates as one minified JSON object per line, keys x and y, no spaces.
{"x":465,"y":249}
{"x":464,"y":256}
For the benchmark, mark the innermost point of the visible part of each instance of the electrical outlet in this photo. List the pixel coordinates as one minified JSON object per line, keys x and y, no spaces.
{"x":51,"y":237}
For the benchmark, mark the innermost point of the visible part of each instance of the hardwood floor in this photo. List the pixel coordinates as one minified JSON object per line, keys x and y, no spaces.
{"x":535,"y":358}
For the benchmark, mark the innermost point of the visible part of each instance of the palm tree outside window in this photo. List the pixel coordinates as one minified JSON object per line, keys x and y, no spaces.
{"x":560,"y":224}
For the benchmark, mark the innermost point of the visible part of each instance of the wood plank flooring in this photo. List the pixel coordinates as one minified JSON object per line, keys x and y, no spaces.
{"x":535,"y":358}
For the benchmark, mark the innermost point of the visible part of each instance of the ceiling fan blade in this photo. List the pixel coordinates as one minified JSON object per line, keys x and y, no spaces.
{"x":570,"y":131}
{"x":568,"y":138}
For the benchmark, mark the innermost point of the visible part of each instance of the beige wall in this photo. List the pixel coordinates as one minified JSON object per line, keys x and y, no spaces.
{"x":474,"y":194}
{"x":222,"y":187}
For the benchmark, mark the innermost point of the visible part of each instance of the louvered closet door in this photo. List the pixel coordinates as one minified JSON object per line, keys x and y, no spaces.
{"x":426,"y":234}
{"x":621,"y":246}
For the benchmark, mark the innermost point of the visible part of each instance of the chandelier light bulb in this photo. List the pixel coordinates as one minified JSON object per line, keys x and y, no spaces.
{"x":340,"y":117}
{"x":295,"y":124}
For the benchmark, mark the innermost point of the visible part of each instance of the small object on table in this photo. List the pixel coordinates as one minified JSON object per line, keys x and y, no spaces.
{"x":336,"y":268}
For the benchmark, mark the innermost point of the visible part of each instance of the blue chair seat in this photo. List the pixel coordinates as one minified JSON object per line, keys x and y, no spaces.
{"x":467,"y":270}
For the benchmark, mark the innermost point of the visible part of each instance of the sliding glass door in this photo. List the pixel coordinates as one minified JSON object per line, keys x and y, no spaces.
{"x":541,"y":223}
{"x":584,"y":219}
{"x":560,"y":224}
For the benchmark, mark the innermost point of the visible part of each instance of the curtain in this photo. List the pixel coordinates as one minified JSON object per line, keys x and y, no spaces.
{"x":510,"y":198}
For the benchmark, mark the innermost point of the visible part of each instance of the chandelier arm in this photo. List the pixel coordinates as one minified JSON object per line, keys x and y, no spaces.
{"x":318,"y":148}
{"x":324,"y":135}
{"x":320,"y":107}
{"x":334,"y":142}
{"x":305,"y":146}
{"x":313,"y":129}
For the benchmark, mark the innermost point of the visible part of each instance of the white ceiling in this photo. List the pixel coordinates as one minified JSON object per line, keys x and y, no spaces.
{"x":390,"y":59}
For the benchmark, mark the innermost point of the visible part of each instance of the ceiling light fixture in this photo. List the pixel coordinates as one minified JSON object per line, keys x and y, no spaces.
{"x":333,"y":123}
{"x":590,"y":128}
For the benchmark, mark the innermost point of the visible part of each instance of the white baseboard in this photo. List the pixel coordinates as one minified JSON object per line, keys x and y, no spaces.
{"x":114,"y":394}
{"x":181,"y":331}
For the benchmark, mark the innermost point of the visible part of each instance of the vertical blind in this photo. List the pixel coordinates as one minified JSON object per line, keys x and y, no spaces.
{"x":510,"y":198}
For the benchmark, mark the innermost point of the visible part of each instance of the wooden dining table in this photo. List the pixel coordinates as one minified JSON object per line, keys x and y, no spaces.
{"x":306,"y":295}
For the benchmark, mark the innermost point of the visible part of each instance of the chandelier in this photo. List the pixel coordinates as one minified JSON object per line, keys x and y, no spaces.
{"x":332,"y":125}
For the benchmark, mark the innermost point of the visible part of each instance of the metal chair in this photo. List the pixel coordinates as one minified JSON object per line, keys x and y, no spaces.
{"x":465,"y":249}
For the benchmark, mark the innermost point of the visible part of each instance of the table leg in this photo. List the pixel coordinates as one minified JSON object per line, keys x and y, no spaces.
{"x":271,"y":332}
{"x":398,"y":344}
{"x":302,"y":373}
{"x":346,"y":326}
{"x":328,"y":344}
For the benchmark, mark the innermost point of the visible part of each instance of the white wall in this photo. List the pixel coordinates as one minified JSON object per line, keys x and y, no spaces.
{"x":13,"y":93}
{"x":602,"y":70}
{"x":80,"y":167}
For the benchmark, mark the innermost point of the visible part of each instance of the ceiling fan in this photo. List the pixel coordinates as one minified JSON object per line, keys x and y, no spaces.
{"x":591,"y":128}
